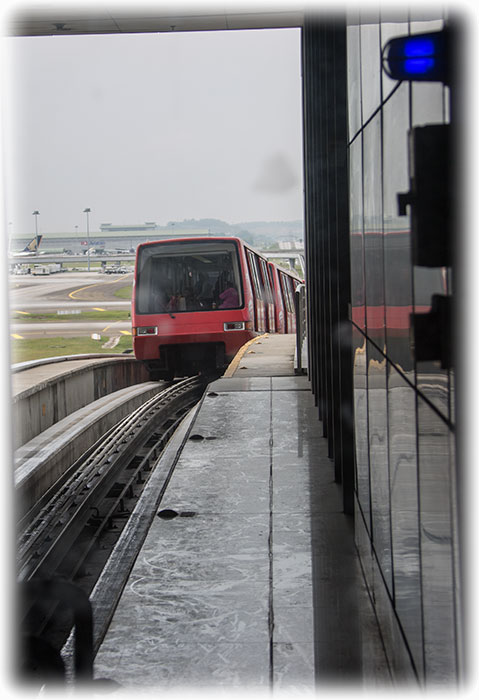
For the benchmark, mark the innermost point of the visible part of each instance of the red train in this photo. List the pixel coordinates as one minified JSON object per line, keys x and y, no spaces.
{"x":196,"y":301}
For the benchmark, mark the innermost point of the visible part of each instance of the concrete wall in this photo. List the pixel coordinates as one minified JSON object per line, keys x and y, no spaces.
{"x":48,"y":456}
{"x":38,"y":408}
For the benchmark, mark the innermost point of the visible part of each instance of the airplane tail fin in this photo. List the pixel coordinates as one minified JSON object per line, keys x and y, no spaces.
{"x":34,"y":244}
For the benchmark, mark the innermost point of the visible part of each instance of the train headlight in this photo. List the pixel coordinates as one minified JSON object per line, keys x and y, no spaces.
{"x":234,"y":326}
{"x":145,"y":330}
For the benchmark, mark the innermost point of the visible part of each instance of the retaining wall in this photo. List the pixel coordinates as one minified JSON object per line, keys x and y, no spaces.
{"x":41,"y":406}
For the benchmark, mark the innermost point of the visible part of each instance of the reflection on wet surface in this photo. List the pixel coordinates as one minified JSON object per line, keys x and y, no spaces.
{"x":260,"y":586}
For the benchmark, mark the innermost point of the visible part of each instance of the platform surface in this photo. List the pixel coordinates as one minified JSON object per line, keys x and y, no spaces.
{"x":229,"y":594}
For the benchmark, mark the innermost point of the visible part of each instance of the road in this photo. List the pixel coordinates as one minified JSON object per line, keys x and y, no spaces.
{"x":68,"y":291}
{"x":69,"y":329}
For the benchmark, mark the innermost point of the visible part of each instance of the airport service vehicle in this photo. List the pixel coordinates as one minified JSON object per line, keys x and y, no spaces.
{"x":196,"y":301}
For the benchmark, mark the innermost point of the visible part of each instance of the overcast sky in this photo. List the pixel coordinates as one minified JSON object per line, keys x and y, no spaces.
{"x":153,"y":127}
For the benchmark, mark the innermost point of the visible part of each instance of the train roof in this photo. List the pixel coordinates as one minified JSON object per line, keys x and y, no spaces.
{"x":210,"y":239}
{"x":193,"y":239}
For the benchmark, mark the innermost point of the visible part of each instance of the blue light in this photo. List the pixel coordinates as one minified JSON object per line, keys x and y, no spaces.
{"x":419,"y":52}
{"x":419,"y":57}
{"x":419,"y":47}
{"x":418,"y":66}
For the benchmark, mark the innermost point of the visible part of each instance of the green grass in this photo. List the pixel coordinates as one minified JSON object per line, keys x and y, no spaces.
{"x":35,"y":349}
{"x":124,"y":292}
{"x":114,"y":315}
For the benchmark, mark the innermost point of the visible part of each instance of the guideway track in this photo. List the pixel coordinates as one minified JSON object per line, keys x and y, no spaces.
{"x":45,"y":539}
{"x":74,"y":532}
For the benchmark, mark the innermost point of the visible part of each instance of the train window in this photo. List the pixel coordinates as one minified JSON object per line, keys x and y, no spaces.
{"x":266,"y":280}
{"x":255,"y":275}
{"x":271,"y":275}
{"x":287,"y":293}
{"x":198,"y":276}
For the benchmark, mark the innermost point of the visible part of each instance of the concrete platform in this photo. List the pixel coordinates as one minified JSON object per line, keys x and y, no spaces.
{"x":255,"y":584}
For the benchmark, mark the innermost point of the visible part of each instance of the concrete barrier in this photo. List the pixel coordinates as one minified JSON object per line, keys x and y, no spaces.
{"x":47,"y":457}
{"x":38,"y":408}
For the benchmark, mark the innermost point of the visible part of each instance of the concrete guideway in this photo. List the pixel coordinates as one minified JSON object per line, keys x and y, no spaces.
{"x":43,"y":460}
{"x":45,"y":393}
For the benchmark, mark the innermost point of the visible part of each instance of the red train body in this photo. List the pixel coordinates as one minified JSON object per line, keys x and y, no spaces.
{"x":196,"y":301}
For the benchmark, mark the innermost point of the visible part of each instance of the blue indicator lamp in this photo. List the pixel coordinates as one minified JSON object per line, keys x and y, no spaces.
{"x":418,"y":57}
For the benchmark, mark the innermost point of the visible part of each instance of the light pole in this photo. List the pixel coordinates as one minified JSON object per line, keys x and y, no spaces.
{"x":35,"y":214}
{"x":87,"y":211}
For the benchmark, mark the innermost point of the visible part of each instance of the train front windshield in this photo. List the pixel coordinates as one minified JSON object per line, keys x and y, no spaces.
{"x":176,"y":277}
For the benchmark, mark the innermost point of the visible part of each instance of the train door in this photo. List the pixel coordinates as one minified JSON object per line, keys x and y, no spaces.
{"x":278,"y":299}
{"x":258,"y":291}
{"x":288,"y":300}
{"x":292,"y":284}
{"x":269,"y":298}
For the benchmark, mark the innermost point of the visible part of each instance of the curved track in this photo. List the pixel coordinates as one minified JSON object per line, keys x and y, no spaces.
{"x":73,"y":530}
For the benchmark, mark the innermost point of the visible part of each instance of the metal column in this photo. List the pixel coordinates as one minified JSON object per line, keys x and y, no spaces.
{"x":327,"y":238}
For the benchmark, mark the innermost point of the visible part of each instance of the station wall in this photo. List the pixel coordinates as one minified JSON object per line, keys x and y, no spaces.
{"x":389,"y":418}
{"x":406,"y":516}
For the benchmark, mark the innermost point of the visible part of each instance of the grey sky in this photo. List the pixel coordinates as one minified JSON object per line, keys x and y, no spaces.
{"x":153,"y":127}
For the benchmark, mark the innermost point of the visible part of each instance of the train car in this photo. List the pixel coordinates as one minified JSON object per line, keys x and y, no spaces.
{"x":196,"y":301}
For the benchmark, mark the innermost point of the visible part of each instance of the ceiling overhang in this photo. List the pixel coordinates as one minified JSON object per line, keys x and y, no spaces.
{"x":51,"y":20}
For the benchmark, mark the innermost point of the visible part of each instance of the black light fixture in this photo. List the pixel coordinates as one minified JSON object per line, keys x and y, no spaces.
{"x":419,"y":57}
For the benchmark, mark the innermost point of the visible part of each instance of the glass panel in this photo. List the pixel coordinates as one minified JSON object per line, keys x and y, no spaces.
{"x":360,"y":388}
{"x":452,"y":396}
{"x":180,"y":277}
{"x":426,"y":19}
{"x":266,"y":281}
{"x":447,"y":105}
{"x":358,"y":313}
{"x":379,"y":462}
{"x":373,"y":234}
{"x":255,"y":276}
{"x":354,"y":80}
{"x":397,"y":240}
{"x":428,"y":99}
{"x":370,"y":70}
{"x":427,"y":103}
{"x":436,"y":544}
{"x":388,"y":31}
{"x":432,"y":380}
{"x":404,"y":511}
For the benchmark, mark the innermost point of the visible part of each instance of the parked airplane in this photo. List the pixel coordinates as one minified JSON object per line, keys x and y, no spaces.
{"x":31,"y":248}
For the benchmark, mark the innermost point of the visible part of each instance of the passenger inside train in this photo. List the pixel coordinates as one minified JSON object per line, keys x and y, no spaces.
{"x":186,"y":280}
{"x":229,"y":297}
